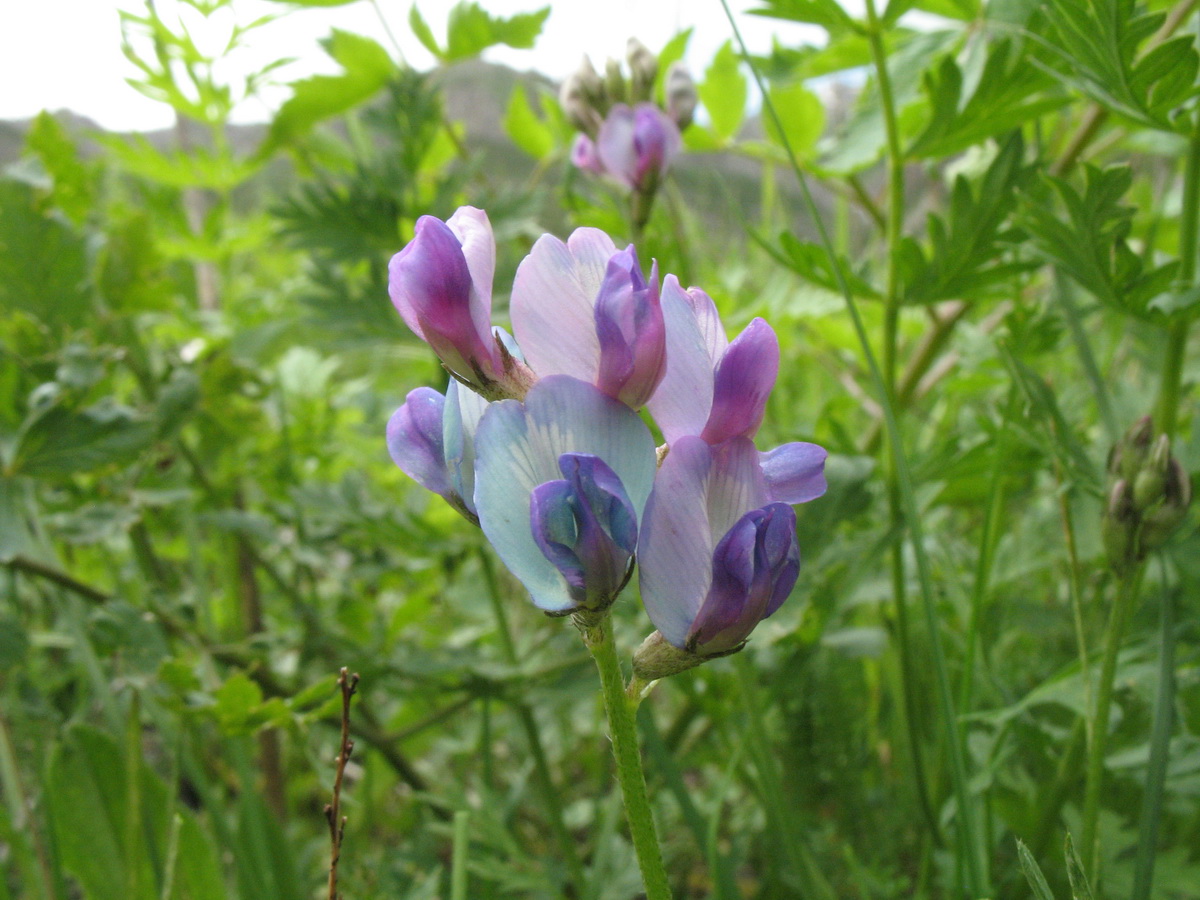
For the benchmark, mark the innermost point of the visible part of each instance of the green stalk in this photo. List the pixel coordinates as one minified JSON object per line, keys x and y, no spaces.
{"x":620,"y":709}
{"x":1127,"y":589}
{"x":1160,"y":745}
{"x":1177,"y":334}
{"x":975,"y":862}
{"x":541,"y":767}
{"x":459,"y":855}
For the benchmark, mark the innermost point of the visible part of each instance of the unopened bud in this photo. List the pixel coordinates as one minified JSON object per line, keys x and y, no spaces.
{"x":1128,"y":454}
{"x":1164,"y":518}
{"x":643,"y":68}
{"x":579,"y":96}
{"x":1118,"y":527}
{"x":1151,"y":478}
{"x":680,"y":95}
{"x":615,"y":88}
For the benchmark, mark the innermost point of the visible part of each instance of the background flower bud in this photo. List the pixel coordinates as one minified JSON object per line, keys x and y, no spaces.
{"x":643,"y":68}
{"x":680,"y":95}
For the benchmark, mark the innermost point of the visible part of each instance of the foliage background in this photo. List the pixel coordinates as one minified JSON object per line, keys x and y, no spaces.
{"x":199,"y":523}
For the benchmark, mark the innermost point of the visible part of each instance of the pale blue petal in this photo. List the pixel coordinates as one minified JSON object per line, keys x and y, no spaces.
{"x":464,"y":408}
{"x":675,"y":545}
{"x":552,"y":303}
{"x":683,"y":400}
{"x":518,"y":448}
{"x":736,"y":485}
{"x":795,"y":472}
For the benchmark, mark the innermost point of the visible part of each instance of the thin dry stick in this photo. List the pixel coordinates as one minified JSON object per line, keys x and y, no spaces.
{"x":337,"y":822}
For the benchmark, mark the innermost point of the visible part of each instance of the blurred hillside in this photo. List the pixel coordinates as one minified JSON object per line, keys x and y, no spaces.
{"x":477,"y":94}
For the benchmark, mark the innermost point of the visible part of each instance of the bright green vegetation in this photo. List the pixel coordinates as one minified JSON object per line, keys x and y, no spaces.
{"x":199,"y":524}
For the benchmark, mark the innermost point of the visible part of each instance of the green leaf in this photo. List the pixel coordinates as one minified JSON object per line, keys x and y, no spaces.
{"x":801,"y":114}
{"x":1080,"y":889}
{"x":811,"y":262}
{"x":471,"y":30}
{"x":1089,"y":242}
{"x":1007,"y":94}
{"x":366,"y":69}
{"x":528,"y":132}
{"x":44,"y":267}
{"x":1099,"y":43}
{"x":424,"y":33}
{"x":968,"y":247}
{"x":56,"y":441}
{"x":723,"y":92}
{"x":16,"y":518}
{"x":88,"y":801}
{"x":1033,"y":873}
{"x":14,"y":642}
{"x":826,"y":13}
{"x":72,"y":191}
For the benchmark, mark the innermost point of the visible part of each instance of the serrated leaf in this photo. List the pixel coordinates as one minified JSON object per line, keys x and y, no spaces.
{"x":1089,"y":241}
{"x":723,"y":92}
{"x":471,"y":30}
{"x":967,"y":248}
{"x":528,"y":132}
{"x":366,"y":66}
{"x":1007,"y":93}
{"x":811,"y":262}
{"x":801,"y":114}
{"x":1100,"y":43}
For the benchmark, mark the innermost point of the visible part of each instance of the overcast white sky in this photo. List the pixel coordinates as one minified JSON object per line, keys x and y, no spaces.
{"x":66,"y":54}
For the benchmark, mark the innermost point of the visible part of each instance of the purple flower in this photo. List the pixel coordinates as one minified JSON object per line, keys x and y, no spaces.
{"x":635,"y":146}
{"x":441,"y":284}
{"x":716,"y":555}
{"x":583,"y":309}
{"x":560,"y":483}
{"x":585,"y":157}
{"x":585,"y":525}
{"x":712,"y":387}
{"x":432,"y":439}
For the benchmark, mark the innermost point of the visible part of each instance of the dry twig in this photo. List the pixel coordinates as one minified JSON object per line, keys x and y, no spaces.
{"x":337,"y":822}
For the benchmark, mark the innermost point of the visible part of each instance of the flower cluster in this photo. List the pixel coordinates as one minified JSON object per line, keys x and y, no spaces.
{"x":623,"y":133}
{"x":539,"y":439}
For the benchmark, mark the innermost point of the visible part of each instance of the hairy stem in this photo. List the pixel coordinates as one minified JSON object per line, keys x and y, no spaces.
{"x":620,"y":708}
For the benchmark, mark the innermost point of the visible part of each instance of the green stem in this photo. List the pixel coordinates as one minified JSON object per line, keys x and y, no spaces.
{"x":1160,"y":745}
{"x":1177,"y":334}
{"x":895,"y":208}
{"x":976,"y":859}
{"x":541,"y":766}
{"x":1127,"y":589}
{"x":460,"y":855}
{"x":620,"y":708}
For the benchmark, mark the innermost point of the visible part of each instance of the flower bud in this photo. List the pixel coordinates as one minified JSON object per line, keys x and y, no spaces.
{"x":1118,"y":527}
{"x":1130,"y":451}
{"x":615,"y":88}
{"x":1165,"y":517}
{"x":643,"y":67}
{"x":580,"y":96}
{"x":680,"y":95}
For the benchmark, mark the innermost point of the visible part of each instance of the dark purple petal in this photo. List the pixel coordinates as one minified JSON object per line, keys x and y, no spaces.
{"x":795,"y":473}
{"x":742,"y":384}
{"x":656,"y":140}
{"x":585,"y":525}
{"x":414,"y":440}
{"x":615,"y":145}
{"x":754,"y":566}
{"x":631,"y":332}
{"x":431,"y":286}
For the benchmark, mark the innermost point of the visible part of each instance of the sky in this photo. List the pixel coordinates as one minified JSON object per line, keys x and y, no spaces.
{"x":66,"y":54}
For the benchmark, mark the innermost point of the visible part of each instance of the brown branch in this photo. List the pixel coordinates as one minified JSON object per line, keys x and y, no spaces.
{"x":337,"y":822}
